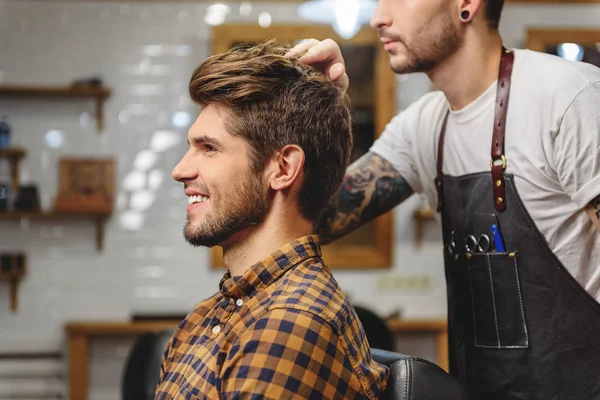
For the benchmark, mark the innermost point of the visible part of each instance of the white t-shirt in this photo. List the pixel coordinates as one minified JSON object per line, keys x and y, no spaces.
{"x":552,"y":146}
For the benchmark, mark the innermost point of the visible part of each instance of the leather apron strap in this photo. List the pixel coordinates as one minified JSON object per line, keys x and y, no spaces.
{"x":498,"y":158}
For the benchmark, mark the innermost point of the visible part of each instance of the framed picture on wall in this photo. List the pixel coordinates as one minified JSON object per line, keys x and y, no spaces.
{"x":573,"y":44}
{"x":85,"y":185}
{"x":372,"y":94}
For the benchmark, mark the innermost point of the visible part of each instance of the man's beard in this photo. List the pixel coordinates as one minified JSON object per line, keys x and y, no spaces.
{"x":246,"y":205}
{"x":435,"y":42}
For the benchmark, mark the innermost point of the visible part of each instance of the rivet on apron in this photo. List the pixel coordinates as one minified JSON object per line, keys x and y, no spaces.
{"x":456,"y":257}
{"x":498,"y":183}
{"x":512,"y":256}
{"x":469,"y":256}
{"x":500,"y":200}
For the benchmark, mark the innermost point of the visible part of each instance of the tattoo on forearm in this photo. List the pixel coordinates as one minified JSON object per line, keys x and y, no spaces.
{"x":595,"y":204}
{"x":593,"y":210}
{"x":371,"y":188}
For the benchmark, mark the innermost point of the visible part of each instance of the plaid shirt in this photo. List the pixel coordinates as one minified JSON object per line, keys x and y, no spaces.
{"x":282,"y":330}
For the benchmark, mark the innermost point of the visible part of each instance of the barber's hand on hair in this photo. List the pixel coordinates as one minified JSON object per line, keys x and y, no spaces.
{"x":324,"y":55}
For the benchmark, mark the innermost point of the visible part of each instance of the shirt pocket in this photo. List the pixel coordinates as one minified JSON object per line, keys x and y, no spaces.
{"x":497,"y":301}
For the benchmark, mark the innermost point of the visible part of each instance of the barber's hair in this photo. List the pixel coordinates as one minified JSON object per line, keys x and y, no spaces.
{"x":493,"y":11}
{"x":271,"y":101}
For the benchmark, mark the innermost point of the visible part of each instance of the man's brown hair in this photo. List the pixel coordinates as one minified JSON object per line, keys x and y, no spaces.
{"x":493,"y":11}
{"x":272,"y":101}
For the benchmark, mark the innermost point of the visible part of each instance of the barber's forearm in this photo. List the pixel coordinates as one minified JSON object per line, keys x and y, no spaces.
{"x":371,"y":188}
{"x":593,"y":210}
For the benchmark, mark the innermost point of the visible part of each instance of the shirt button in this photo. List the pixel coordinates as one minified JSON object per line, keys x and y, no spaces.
{"x":216,"y":329}
{"x":239,"y":302}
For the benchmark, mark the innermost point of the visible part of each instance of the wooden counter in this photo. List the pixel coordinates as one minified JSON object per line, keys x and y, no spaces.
{"x":437,"y":327}
{"x":79,"y":335}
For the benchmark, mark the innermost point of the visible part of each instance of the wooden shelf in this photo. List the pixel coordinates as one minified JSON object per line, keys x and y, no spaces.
{"x":12,"y":153}
{"x":98,"y":217}
{"x":421,"y":216}
{"x":99,"y":93}
{"x":55,"y":91}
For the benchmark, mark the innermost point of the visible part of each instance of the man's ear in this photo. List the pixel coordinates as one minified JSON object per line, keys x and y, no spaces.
{"x":472,"y":7}
{"x":288,"y":168}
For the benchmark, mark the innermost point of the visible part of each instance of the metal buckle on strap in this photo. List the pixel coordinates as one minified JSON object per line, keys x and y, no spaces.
{"x":502,"y":158}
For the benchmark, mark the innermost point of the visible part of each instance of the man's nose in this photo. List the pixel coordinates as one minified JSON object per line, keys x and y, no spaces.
{"x":185,"y":170}
{"x":381,"y":16}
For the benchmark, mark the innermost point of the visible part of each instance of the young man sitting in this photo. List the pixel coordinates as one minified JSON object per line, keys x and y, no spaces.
{"x":266,"y":155}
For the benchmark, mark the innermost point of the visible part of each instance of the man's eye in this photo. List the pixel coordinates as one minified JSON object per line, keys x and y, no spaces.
{"x":209,"y":148}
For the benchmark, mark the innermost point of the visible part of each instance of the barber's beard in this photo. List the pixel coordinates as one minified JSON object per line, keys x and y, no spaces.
{"x":431,"y":45}
{"x":244,"y":206}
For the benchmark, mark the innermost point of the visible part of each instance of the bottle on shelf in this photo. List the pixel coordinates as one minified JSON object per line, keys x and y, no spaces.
{"x":5,"y":131}
{"x":4,"y":196}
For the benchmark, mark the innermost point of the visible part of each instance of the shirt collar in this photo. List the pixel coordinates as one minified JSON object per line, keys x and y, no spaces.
{"x":265,"y":272}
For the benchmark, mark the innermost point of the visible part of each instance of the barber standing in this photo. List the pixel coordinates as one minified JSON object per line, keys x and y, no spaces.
{"x":509,"y":152}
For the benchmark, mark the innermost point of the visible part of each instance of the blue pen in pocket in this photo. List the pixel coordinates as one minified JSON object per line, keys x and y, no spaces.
{"x":497,"y":236}
{"x":498,"y":245}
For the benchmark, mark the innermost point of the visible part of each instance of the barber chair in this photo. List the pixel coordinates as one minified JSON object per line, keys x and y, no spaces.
{"x":142,"y":368}
{"x":411,"y":378}
{"x":377,"y":331}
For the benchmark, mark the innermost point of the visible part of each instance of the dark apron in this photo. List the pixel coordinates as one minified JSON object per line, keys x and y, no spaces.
{"x":520,"y":326}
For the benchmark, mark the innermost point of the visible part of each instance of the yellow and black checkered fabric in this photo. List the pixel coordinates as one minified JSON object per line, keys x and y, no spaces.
{"x":282,"y":330}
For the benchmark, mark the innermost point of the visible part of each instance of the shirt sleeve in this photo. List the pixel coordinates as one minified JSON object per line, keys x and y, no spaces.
{"x":288,"y":354}
{"x":577,"y":147}
{"x":402,"y":141}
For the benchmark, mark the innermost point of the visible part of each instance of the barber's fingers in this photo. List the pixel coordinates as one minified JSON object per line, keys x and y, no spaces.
{"x":313,"y":51}
{"x":337,"y":74}
{"x":337,"y":71}
{"x":324,"y":55}
{"x":301,"y":48}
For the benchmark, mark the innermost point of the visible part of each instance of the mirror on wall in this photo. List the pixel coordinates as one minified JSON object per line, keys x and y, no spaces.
{"x":576,"y":52}
{"x":372,"y":93}
{"x":572,"y":44}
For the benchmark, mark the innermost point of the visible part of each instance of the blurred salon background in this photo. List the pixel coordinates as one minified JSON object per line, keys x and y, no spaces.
{"x":94,"y":116}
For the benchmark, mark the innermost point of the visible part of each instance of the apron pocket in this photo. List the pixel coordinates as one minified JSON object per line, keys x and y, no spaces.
{"x":498,"y":312}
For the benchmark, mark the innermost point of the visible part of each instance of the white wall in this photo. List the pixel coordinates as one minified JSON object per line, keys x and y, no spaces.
{"x":145,"y":52}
